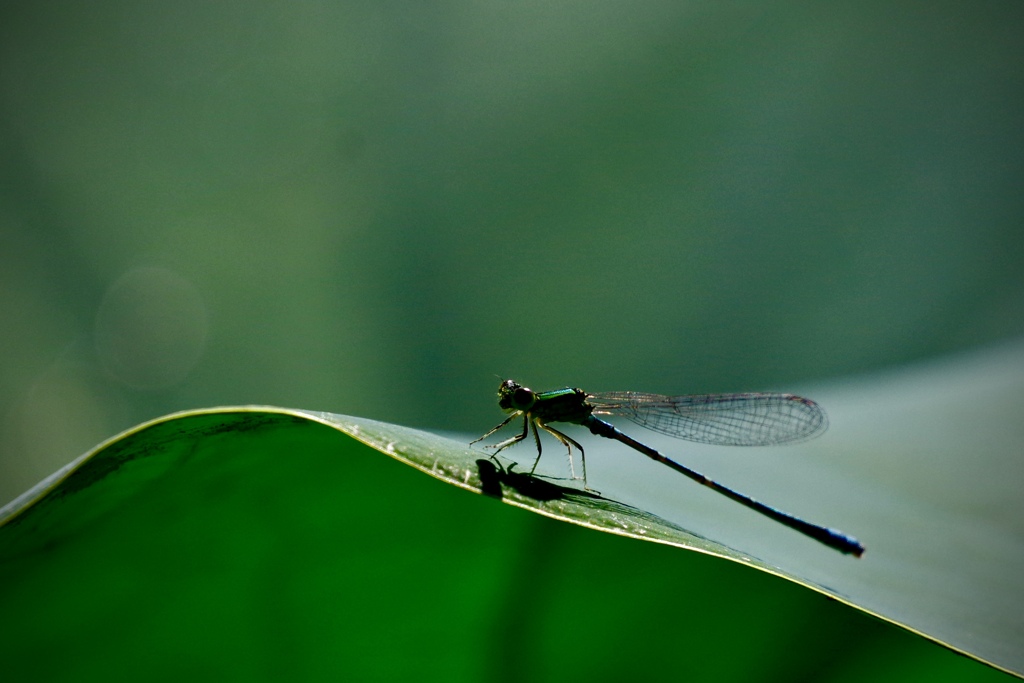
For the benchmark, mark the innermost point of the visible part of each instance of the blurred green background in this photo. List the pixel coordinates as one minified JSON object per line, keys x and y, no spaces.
{"x":375,"y":207}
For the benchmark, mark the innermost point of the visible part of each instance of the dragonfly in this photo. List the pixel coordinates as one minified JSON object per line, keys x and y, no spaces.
{"x":749,"y":419}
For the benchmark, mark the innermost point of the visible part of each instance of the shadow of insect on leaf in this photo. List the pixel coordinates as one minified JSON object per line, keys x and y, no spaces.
{"x":493,"y":476}
{"x":495,"y":481}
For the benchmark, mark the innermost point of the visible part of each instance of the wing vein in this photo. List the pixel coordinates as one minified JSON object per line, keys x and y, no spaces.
{"x":752,"y":419}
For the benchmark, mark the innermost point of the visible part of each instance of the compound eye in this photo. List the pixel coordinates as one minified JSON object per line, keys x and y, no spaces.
{"x":523,"y":398}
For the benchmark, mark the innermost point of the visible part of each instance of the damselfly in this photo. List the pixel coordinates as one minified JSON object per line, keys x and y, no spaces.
{"x":756,"y":419}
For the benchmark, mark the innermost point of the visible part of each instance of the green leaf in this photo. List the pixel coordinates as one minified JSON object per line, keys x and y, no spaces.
{"x":183,"y":524}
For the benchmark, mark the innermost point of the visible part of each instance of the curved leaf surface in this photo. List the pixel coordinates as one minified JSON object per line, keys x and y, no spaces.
{"x":922,"y":466}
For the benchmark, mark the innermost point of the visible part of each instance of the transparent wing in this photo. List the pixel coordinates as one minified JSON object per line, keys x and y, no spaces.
{"x":720,"y":419}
